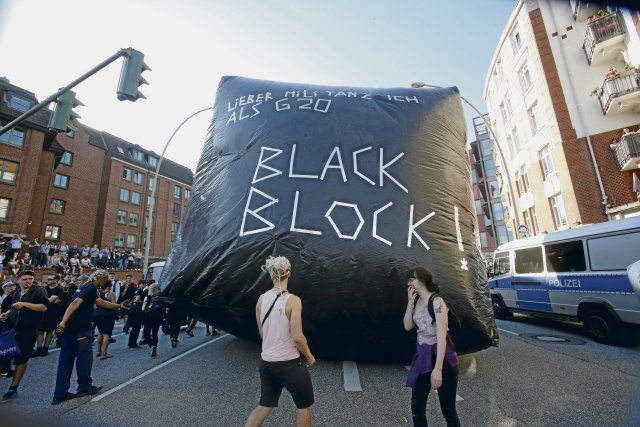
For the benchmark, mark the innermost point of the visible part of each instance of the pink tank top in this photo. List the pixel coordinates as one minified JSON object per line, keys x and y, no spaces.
{"x":277,"y":343}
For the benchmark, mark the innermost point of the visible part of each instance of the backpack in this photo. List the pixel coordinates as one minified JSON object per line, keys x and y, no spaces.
{"x":454,"y":322}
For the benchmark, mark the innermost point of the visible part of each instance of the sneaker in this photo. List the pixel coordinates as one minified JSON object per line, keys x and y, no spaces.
{"x":154,"y":353}
{"x":174,"y":342}
{"x":98,"y":354}
{"x":9,"y":396}
{"x":95,"y":389}
{"x":189,"y":332}
{"x":57,"y":401}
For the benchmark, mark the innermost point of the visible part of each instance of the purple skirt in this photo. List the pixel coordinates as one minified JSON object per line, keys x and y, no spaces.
{"x":425,"y":357}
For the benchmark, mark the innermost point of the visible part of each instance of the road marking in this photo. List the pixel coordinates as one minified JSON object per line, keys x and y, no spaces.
{"x":112,"y":336}
{"x":351,"y":376}
{"x":509,"y":332}
{"x":162,"y":365}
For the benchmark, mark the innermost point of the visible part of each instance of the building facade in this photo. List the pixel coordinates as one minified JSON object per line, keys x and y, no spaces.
{"x":490,"y":212}
{"x":563,"y":94}
{"x":85,"y":186}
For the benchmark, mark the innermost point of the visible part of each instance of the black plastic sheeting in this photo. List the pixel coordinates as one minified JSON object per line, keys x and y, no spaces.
{"x":353,"y":185}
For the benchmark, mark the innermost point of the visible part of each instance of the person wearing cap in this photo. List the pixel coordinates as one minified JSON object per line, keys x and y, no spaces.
{"x":27,"y":305}
{"x":75,"y":328}
{"x":7,"y":288}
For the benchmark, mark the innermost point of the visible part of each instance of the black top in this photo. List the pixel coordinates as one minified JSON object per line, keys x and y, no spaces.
{"x":28,"y":319}
{"x":67,"y":295}
{"x":80,"y":321}
{"x":105,"y":313}
{"x":54,"y":308}
{"x":128,"y":294}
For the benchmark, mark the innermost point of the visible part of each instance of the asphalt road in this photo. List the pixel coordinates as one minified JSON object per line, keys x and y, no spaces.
{"x":542,"y":374}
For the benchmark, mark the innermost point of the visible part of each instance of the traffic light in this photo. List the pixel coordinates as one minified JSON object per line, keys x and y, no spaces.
{"x":65,"y":104}
{"x":130,"y":76}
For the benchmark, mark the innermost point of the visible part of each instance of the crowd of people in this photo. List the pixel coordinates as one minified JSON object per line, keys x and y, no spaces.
{"x":62,"y":257}
{"x":78,"y":310}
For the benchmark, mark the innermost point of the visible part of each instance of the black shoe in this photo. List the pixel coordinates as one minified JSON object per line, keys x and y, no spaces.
{"x":188,"y":331}
{"x":9,"y":396}
{"x":112,"y":340}
{"x":143,"y":342}
{"x":154,"y":351}
{"x":37,"y":353}
{"x":125,"y":330}
{"x":45,"y":352}
{"x":10,"y":374}
{"x":58,"y":344}
{"x":66,"y":397}
{"x":95,"y":389}
{"x":134,"y":346}
{"x":174,"y":342}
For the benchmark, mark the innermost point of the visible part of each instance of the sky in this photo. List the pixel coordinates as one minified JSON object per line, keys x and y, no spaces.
{"x":190,"y":44}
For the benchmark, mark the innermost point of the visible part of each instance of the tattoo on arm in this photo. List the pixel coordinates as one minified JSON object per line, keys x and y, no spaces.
{"x":438,"y":307}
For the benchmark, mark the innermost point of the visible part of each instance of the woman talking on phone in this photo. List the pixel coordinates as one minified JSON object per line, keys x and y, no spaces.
{"x":434,"y":365}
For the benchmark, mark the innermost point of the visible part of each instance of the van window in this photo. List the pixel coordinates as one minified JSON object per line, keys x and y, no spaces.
{"x":614,"y":252}
{"x":501,"y":263}
{"x":529,"y":260}
{"x":566,"y":256}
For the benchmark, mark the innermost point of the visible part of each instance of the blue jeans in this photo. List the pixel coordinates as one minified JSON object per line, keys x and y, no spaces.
{"x":75,"y":347}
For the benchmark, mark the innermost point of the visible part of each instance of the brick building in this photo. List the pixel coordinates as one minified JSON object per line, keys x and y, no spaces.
{"x":86,"y":186}
{"x":562,"y":88}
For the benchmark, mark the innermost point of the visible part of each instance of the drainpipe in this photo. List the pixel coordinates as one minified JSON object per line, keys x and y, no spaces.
{"x":580,"y":126}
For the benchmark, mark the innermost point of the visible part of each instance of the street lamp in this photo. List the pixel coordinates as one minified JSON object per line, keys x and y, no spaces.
{"x":417,"y":85}
{"x":145,"y":266}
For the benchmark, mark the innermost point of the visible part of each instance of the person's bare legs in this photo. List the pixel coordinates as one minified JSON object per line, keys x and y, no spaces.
{"x":303,"y":417}
{"x":257,"y":416}
{"x":105,"y":344}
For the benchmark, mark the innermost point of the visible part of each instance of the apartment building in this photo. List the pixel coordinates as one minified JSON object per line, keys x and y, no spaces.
{"x":563,"y":94}
{"x":85,"y":186}
{"x":490,"y":212}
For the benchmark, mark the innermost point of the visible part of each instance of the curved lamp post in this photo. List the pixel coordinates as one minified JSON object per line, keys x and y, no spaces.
{"x":417,"y":85}
{"x":145,"y":266}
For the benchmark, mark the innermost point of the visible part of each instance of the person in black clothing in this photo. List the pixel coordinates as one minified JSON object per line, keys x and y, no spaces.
{"x":135,"y":315}
{"x":105,"y":319}
{"x":152,"y":318}
{"x":75,"y":328}
{"x":127,"y":293}
{"x":175,"y":318}
{"x":51,"y":316}
{"x":28,"y":304}
{"x":8,"y":288}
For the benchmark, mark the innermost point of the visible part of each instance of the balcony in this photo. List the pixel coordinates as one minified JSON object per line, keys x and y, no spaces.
{"x":620,"y":93}
{"x":628,"y":151}
{"x":604,"y":34}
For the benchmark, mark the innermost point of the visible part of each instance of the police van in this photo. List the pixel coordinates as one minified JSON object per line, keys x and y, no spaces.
{"x":576,"y":274}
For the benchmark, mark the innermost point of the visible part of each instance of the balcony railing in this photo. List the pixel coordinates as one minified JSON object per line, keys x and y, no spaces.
{"x":626,"y":83}
{"x":628,"y":151}
{"x":601,"y":30}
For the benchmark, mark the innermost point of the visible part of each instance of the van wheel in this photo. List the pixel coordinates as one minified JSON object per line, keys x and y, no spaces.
{"x":499,"y":310}
{"x":600,"y":325}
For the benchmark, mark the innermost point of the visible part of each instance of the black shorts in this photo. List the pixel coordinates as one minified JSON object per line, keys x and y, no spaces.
{"x":292,"y":375}
{"x":25,"y":341}
{"x":105,"y":324}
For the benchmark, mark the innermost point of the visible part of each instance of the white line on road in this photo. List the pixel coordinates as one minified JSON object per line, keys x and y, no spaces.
{"x":509,"y":332}
{"x":351,"y":376}
{"x":162,"y":365}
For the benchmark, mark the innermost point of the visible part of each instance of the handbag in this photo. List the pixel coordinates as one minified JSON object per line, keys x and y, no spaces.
{"x":8,"y":345}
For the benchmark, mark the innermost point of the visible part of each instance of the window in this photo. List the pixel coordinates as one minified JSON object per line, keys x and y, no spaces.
{"x":126,"y":174}
{"x":20,"y":104}
{"x":174,"y":227}
{"x":557,"y":208}
{"x":485,"y":147}
{"x":119,"y":239}
{"x":498,"y":211}
{"x":507,"y":104}
{"x":501,"y":264}
{"x":131,"y":240}
{"x":487,"y":221}
{"x":565,"y":257}
{"x":510,"y":147}
{"x":133,"y":219}
{"x":503,"y":111}
{"x":498,"y":71}
{"x":52,"y":232}
{"x":151,"y":183}
{"x":516,"y":40}
{"x":138,"y":177}
{"x":187,"y":194}
{"x":124,"y":195}
{"x":527,"y":221}
{"x":534,"y":221}
{"x":120,"y":150}
{"x":479,"y":207}
{"x":138,"y":155}
{"x":605,"y":253}
{"x":516,"y":140}
{"x":484,"y":241}
{"x":501,"y":234}
{"x":176,"y":209}
{"x":534,"y":119}
{"x":474,"y":179}
{"x":8,"y":171}
{"x":14,"y":137}
{"x":57,"y":206}
{"x":122,"y":217}
{"x":67,"y":158}
{"x":525,"y":77}
{"x":153,"y":161}
{"x":529,"y":260}
{"x":71,"y":132}
{"x":523,"y":180}
{"x":5,"y":204}
{"x":546,"y":161}
{"x":177,"y":192}
{"x":489,"y":168}
{"x":61,"y":181}
{"x":149,"y":199}
{"x":135,"y":197}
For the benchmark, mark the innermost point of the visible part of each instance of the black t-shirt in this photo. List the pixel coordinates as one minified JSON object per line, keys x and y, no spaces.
{"x":54,"y":308}
{"x":80,"y":321}
{"x":128,"y":294}
{"x":28,"y":320}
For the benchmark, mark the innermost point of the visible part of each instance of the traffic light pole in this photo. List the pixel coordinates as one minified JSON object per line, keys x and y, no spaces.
{"x":50,"y":99}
